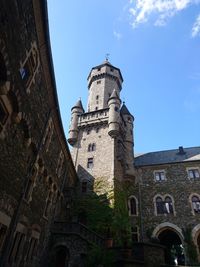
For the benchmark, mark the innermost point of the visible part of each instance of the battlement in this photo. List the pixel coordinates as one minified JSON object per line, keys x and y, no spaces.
{"x":97,"y":116}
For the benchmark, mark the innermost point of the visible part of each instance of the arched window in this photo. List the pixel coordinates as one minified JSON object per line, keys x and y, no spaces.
{"x":164,"y":206}
{"x":89,"y":147}
{"x":132,"y":206}
{"x":159,"y":205}
{"x":196,"y":204}
{"x":168,"y":205}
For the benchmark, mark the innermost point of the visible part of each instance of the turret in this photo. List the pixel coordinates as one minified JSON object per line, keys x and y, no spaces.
{"x":114,"y":103}
{"x":73,"y":130}
{"x":128,"y":140}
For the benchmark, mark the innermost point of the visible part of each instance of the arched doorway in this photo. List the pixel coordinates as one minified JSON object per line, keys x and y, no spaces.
{"x":174,"y":253}
{"x":61,"y":256}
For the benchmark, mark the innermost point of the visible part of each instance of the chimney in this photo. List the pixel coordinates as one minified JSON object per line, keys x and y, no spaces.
{"x":181,"y":150}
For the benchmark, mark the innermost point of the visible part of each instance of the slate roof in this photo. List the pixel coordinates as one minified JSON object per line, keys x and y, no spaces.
{"x":124,"y":110}
{"x":78,"y":105}
{"x":114,"y":94}
{"x":168,"y":156}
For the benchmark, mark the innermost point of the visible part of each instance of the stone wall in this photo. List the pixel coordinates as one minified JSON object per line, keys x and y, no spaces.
{"x":35,"y":163}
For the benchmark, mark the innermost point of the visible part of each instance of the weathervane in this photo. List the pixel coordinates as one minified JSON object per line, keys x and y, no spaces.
{"x":107,"y":56}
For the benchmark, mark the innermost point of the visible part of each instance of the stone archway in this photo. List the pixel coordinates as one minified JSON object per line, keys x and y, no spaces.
{"x":196,"y":239}
{"x":171,"y":237}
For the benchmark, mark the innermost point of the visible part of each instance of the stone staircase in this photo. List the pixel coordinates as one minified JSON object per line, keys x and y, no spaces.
{"x":61,"y":228}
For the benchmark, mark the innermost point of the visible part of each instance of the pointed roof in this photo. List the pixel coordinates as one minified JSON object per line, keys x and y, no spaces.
{"x":114,"y":94}
{"x":124,"y":110}
{"x":78,"y":105}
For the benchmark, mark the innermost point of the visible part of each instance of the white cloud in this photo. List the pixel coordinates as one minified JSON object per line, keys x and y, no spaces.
{"x":117,"y":35}
{"x":161,"y":10}
{"x":196,"y":27}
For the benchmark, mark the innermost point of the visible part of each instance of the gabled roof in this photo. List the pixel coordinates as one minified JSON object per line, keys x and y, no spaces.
{"x":168,"y":156}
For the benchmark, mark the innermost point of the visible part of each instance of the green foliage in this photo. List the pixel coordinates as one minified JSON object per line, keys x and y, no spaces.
{"x":191,"y":249}
{"x":96,"y":207}
{"x":121,"y":220}
{"x":100,"y":257}
{"x":102,"y":217}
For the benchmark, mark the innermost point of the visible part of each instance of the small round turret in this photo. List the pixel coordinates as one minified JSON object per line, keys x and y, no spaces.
{"x":73,"y":130}
{"x":128,"y":140}
{"x":129,"y":119}
{"x":114,"y":103}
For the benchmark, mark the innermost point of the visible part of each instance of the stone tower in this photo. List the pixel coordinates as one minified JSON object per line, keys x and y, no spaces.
{"x":102,"y":137}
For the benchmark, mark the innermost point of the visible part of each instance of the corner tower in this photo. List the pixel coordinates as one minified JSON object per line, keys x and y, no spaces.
{"x":102,"y":136}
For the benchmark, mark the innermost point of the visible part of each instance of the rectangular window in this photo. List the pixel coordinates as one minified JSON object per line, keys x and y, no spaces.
{"x":193,"y":173}
{"x":98,"y":82}
{"x":90,"y":163}
{"x":159,"y":175}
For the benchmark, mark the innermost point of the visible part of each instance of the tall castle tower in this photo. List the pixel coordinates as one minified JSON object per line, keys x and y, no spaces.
{"x":102,"y":137}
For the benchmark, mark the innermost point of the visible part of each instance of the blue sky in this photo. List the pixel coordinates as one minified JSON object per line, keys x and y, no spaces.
{"x":155,"y":43}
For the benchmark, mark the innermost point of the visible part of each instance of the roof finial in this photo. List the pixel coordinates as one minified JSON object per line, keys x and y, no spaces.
{"x":107,"y":56}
